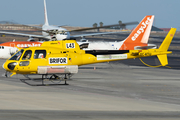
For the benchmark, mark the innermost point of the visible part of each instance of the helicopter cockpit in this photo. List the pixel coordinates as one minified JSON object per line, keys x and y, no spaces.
{"x":23,"y":57}
{"x":27,"y":54}
{"x":17,"y":55}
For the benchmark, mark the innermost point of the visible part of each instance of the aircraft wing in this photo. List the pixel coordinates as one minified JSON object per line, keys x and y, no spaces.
{"x":92,"y":34}
{"x":105,"y":26}
{"x":22,"y":34}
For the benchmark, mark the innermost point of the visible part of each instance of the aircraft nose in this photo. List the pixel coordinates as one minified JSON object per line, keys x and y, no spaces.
{"x":12,"y":65}
{"x":9,"y":66}
{"x":5,"y":66}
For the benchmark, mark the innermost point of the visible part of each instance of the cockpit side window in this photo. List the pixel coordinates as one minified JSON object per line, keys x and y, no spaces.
{"x":27,"y":55}
{"x":1,"y":47}
{"x":63,"y":33}
{"x":39,"y":54}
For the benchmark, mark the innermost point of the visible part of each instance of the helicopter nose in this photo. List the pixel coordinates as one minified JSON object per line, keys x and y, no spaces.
{"x":9,"y":66}
{"x":12,"y":65}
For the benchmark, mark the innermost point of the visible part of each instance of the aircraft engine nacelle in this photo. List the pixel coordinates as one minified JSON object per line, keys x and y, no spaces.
{"x":57,"y":69}
{"x":31,"y":39}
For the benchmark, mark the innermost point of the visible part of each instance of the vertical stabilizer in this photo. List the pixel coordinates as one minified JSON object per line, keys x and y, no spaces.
{"x":164,"y":47}
{"x":45,"y":14}
{"x":167,"y":41}
{"x":140,"y":35}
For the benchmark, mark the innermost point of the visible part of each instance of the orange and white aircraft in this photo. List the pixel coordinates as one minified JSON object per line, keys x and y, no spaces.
{"x":138,"y":39}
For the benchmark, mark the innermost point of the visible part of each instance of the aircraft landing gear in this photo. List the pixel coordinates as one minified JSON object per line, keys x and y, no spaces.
{"x":44,"y":81}
{"x":7,"y":74}
{"x":54,"y":78}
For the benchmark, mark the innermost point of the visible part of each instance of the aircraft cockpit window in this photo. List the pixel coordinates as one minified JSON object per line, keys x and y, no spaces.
{"x":17,"y":56}
{"x":39,"y":54}
{"x":1,"y":47}
{"x":27,"y":55}
{"x":63,"y":33}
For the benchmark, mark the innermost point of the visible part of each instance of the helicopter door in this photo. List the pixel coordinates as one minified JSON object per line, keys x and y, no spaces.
{"x":40,"y":57}
{"x":25,"y":61}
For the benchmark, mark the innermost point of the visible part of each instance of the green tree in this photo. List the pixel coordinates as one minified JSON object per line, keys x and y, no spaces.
{"x":120,"y":22}
{"x":95,"y":25}
{"x":122,"y":26}
{"x":101,"y":24}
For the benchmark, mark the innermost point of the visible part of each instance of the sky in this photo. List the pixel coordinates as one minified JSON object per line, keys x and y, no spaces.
{"x":85,"y":13}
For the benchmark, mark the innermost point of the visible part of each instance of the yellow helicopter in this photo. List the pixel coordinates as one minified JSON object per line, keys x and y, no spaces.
{"x":63,"y":57}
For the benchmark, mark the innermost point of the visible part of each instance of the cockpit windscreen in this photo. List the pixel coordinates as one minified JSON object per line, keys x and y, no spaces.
{"x":17,"y":56}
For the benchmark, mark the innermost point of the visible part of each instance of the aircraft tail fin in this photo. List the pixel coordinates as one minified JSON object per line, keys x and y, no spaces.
{"x":167,"y":41}
{"x":164,"y":47}
{"x":140,"y":35}
{"x":45,"y":14}
{"x":162,"y":51}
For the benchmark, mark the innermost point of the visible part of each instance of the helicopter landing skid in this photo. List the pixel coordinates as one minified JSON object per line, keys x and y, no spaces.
{"x":44,"y":81}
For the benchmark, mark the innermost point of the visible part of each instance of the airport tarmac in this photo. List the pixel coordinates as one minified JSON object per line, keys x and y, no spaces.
{"x":102,"y":91}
